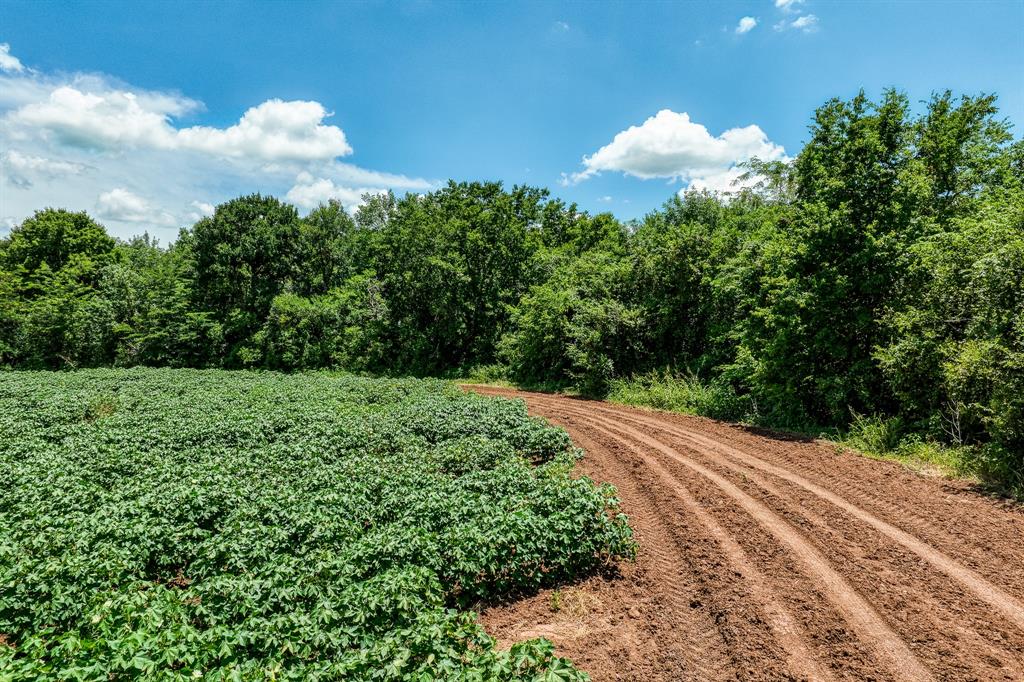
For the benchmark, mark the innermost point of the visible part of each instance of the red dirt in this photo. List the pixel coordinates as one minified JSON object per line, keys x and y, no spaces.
{"x":766,"y":557}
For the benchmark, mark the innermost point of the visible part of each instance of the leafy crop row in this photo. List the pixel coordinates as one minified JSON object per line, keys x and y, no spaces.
{"x":175,"y":524}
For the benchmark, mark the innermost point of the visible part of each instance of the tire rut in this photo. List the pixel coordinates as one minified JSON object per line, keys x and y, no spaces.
{"x":1007,"y":605}
{"x":862,"y":617}
{"x":834,"y":584}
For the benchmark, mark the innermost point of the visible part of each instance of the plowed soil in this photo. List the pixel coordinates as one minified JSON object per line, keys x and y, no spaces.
{"x":768,"y":557}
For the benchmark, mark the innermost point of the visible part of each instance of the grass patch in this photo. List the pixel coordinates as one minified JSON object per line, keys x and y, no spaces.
{"x":683,"y":393}
{"x":875,"y":437}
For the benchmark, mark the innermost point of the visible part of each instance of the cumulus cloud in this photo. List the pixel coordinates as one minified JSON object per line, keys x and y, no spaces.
{"x":122,"y":205}
{"x":272,"y":131}
{"x":725,"y":182}
{"x":103,"y":133}
{"x":348,"y":174}
{"x":22,"y":169}
{"x":670,"y":145}
{"x":788,"y":5}
{"x":8,"y":62}
{"x":746,"y":25}
{"x":309,"y":192}
{"x":108,"y":120}
{"x":199,"y":210}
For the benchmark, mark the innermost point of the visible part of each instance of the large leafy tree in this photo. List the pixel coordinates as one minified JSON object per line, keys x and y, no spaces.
{"x":49,"y":266}
{"x":245,"y":254}
{"x":55,"y":239}
{"x":453,"y":263}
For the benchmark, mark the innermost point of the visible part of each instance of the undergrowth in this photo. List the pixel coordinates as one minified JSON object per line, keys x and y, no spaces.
{"x":877,"y":437}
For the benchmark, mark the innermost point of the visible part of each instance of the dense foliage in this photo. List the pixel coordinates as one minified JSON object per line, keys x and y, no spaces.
{"x":878,"y":275}
{"x":184,"y":523}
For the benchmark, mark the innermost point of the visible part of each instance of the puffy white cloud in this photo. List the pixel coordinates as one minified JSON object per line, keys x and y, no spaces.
{"x":348,"y":174}
{"x":71,"y":137}
{"x":726,"y":182}
{"x":199,"y":210}
{"x":110,"y":120}
{"x":203,"y":207}
{"x":788,"y":5}
{"x":122,"y":205}
{"x":273,"y":131}
{"x":561,"y":26}
{"x":22,"y":169}
{"x":8,"y":62}
{"x":309,"y":192}
{"x":670,"y":145}
{"x":746,"y":25}
{"x":118,"y":119}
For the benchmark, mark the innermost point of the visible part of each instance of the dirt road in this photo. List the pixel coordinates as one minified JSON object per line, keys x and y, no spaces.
{"x":770,"y":558}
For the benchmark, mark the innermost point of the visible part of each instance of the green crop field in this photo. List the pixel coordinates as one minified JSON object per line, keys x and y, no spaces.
{"x":174,"y":524}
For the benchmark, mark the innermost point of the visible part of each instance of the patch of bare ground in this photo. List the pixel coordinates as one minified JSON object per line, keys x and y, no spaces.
{"x":764,"y":557}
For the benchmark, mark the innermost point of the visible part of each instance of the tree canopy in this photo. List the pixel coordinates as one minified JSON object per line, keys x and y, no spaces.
{"x":879,"y":272}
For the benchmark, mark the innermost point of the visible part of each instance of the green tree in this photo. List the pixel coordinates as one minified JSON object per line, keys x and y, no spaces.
{"x":241,"y":257}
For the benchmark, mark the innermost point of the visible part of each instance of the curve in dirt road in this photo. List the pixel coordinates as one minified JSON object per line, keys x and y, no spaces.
{"x":805,"y":565}
{"x":864,"y":620}
{"x":1012,"y":609}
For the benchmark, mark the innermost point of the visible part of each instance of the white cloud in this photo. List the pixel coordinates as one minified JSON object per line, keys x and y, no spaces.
{"x":122,"y":205}
{"x":561,"y":26}
{"x":22,"y":169}
{"x":116,"y":119}
{"x":605,"y":199}
{"x":788,"y":5}
{"x":746,"y":25}
{"x":108,"y":120}
{"x":808,"y":23}
{"x":273,"y":131}
{"x":354,"y":175}
{"x":200,"y":209}
{"x":203,"y":207}
{"x":670,"y":145}
{"x":726,"y":182}
{"x":71,"y":137}
{"x":8,"y":62}
{"x":309,"y":192}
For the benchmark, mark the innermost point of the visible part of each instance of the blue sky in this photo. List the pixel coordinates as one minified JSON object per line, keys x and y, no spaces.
{"x":137,"y":112}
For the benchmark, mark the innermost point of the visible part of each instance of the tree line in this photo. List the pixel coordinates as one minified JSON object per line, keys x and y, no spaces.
{"x":880,"y":272}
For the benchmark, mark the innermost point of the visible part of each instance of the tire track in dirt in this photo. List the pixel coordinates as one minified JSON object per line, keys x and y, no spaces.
{"x":786,"y":631}
{"x":956,"y":631}
{"x":869,"y":626}
{"x":949,"y":516}
{"x":938,"y":620}
{"x":705,"y":651}
{"x":1010,"y":607}
{"x":640,"y":627}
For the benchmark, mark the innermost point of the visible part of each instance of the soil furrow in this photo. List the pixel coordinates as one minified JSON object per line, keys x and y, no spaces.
{"x":1011,"y":608}
{"x":948,"y":515}
{"x":788,"y":557}
{"x":786,"y":631}
{"x":924,"y":605}
{"x":869,"y":626}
